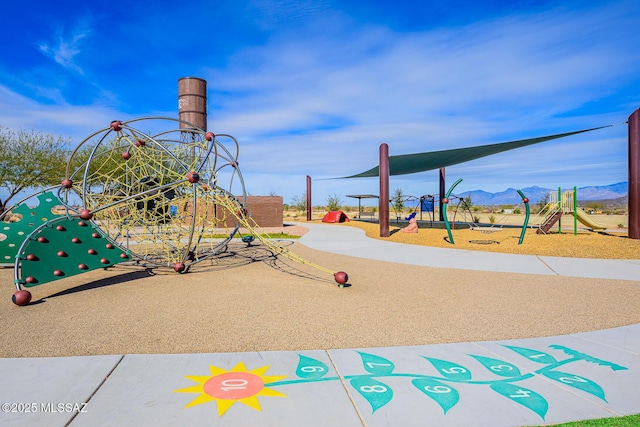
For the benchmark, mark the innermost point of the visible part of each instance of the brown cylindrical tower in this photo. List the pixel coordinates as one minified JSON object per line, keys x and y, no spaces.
{"x":192,"y":102}
{"x":634,"y":175}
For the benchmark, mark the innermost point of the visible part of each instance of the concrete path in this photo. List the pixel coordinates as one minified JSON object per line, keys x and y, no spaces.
{"x":353,"y":242}
{"x":499,"y":383}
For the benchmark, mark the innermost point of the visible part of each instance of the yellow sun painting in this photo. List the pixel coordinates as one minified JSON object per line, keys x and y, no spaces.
{"x":229,"y":387}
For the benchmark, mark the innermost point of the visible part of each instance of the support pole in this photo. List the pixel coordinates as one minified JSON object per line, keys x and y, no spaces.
{"x":442,"y":193}
{"x":308,"y":198}
{"x":561,"y":209}
{"x":383,"y":202}
{"x":575,"y":210}
{"x":634,"y":175}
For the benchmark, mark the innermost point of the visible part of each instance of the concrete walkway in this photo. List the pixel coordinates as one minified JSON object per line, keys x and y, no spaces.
{"x":500,"y":383}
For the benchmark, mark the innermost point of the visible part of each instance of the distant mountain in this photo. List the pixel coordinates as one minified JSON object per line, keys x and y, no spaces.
{"x":510,"y":196}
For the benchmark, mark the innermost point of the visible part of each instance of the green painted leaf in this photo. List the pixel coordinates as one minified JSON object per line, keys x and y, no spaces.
{"x":498,"y":367}
{"x":450,"y":370}
{"x":576,"y":381}
{"x":533,"y":355}
{"x":578,"y":355}
{"x":443,"y":394}
{"x":376,"y":364}
{"x":523,"y":396}
{"x":377,"y":394}
{"x":310,"y":368}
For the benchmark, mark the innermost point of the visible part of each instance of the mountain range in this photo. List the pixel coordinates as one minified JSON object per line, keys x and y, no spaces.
{"x":510,"y":196}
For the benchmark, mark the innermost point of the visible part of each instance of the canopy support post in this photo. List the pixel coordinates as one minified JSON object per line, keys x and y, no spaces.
{"x":442,"y":193}
{"x":308,"y":198}
{"x":383,"y":202}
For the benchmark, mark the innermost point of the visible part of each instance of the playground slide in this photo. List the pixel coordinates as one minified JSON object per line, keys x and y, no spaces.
{"x":584,"y":218}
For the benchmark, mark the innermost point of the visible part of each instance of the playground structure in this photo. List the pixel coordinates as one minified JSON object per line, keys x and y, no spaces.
{"x":446,"y":200}
{"x":422,"y":204}
{"x":172,"y":198}
{"x":564,"y":203}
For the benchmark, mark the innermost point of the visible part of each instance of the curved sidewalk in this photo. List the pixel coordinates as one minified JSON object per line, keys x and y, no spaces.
{"x":507,"y":383}
{"x":353,"y":242}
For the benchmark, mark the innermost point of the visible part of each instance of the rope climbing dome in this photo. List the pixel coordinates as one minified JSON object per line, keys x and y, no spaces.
{"x":170,"y":197}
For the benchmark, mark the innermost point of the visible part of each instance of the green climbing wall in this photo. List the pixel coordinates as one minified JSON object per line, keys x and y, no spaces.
{"x":66,"y":247}
{"x":12,"y":234}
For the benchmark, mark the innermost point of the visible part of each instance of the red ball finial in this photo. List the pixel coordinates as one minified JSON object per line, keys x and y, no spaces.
{"x":341,"y":277}
{"x":445,"y":200}
{"x":86,"y":214}
{"x":126,"y":155}
{"x":116,"y":125}
{"x":209,"y":136}
{"x":140,"y":143}
{"x":21,"y":297}
{"x":526,"y":200}
{"x":179,"y":267}
{"x":193,"y":177}
{"x":67,"y":183}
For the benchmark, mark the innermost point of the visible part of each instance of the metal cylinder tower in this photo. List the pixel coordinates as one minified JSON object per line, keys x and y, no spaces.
{"x":192,"y":101}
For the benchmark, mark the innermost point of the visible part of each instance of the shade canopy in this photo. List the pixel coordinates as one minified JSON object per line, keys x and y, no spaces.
{"x":421,"y":162}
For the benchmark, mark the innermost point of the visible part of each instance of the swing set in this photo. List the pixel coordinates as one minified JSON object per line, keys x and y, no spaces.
{"x":472,"y":224}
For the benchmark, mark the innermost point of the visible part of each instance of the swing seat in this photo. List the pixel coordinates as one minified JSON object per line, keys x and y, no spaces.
{"x":486,"y":230}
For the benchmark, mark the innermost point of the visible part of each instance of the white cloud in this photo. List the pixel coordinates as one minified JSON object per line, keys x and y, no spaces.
{"x":64,"y":48}
{"x":318,"y":95}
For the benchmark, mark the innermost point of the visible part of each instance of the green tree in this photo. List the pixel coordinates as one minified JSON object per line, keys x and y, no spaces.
{"x":542,"y":203}
{"x":30,"y":160}
{"x":467,"y":203}
{"x":334,"y":202}
{"x":397,"y":200}
{"x":299,"y":203}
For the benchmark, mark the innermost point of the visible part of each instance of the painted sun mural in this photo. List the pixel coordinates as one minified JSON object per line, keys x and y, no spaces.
{"x":228,"y":387}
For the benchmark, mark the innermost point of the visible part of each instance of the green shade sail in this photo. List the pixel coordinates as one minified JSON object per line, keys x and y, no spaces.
{"x":420,"y":162}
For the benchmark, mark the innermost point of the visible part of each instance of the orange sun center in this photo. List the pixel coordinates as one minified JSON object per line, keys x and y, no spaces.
{"x":233,"y":385}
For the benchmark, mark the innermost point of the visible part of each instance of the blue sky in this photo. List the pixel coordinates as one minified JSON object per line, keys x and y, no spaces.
{"x":314,"y":87}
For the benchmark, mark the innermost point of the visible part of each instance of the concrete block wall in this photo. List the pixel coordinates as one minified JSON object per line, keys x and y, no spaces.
{"x":266,"y":211}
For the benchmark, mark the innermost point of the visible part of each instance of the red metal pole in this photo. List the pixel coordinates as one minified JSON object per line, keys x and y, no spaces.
{"x":634,"y":175}
{"x":308,"y":198}
{"x":383,"y":202}
{"x":442,"y":193}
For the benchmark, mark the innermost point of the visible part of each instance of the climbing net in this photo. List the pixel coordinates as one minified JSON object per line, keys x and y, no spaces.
{"x":155,"y":193}
{"x":170,"y":198}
